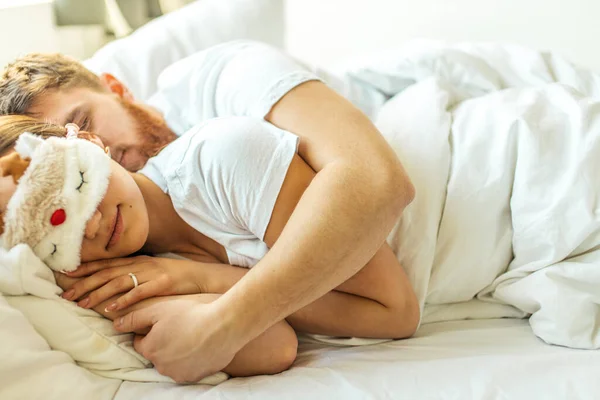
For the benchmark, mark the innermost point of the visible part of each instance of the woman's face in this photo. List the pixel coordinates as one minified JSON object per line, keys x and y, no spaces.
{"x":119,"y":227}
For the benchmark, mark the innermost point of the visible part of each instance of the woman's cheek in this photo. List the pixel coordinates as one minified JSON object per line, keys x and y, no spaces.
{"x":90,"y":252}
{"x":135,"y":239}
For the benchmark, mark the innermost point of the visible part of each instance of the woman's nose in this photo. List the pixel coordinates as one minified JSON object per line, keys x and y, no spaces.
{"x":93,"y":226}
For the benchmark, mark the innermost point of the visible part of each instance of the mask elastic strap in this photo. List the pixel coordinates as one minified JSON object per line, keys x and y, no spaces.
{"x":72,"y":131}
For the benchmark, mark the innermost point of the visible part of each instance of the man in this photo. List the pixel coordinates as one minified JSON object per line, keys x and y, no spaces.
{"x":340,"y":222}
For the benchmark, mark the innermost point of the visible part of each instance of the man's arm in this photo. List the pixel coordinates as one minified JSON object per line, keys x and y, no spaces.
{"x":377,"y":302}
{"x":341,"y":220}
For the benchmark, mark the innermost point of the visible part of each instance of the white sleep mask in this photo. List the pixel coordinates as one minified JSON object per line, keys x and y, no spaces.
{"x":60,"y":182}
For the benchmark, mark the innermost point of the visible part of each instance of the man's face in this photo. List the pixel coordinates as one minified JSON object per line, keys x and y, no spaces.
{"x":131,"y":131}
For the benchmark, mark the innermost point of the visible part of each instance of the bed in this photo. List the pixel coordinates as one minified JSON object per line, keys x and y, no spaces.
{"x":476,"y":359}
{"x":487,"y":358}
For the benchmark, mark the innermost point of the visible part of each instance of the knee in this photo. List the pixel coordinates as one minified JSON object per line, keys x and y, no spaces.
{"x":403,"y":321}
{"x":413,"y":318}
{"x":410,"y":317}
{"x":286,"y":354}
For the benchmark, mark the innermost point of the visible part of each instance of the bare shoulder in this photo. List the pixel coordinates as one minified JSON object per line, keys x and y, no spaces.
{"x":298,"y":178}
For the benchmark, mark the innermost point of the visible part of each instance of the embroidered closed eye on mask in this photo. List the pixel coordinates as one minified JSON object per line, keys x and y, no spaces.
{"x":63,"y":181}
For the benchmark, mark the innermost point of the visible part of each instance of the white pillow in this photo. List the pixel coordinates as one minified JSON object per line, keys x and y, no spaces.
{"x":137,"y":60}
{"x":85,"y":335}
{"x":30,"y":369}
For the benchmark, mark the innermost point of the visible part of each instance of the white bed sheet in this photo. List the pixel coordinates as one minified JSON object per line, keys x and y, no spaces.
{"x":473,"y":359}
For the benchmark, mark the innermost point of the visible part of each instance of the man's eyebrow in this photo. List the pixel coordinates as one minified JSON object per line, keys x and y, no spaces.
{"x":36,"y":115}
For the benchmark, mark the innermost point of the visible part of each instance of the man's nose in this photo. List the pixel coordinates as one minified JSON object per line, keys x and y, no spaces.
{"x":93,"y":225}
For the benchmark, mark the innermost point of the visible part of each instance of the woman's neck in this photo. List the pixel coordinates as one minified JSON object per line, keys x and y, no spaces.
{"x":166,"y":229}
{"x":168,"y":233}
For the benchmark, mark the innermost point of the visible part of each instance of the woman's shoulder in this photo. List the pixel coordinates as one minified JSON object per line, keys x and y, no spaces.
{"x":211,"y":137}
{"x":229,"y":136}
{"x":221,"y":149}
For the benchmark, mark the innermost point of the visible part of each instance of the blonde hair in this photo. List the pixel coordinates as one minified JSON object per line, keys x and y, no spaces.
{"x":34,"y":74}
{"x":12,"y":126}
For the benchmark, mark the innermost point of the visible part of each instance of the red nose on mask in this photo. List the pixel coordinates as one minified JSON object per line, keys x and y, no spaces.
{"x":58,"y":217}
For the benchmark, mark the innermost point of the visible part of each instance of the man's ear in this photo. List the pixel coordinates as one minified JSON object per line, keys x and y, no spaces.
{"x":116,"y":86}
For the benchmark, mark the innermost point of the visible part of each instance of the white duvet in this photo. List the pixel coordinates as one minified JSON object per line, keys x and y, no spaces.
{"x":503,"y":146}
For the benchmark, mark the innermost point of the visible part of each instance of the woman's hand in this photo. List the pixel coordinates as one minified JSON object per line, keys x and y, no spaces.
{"x":63,"y":281}
{"x":156,"y":276}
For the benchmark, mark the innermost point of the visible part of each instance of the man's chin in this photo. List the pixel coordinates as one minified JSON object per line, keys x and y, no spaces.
{"x":153,"y":133}
{"x":137,"y":164}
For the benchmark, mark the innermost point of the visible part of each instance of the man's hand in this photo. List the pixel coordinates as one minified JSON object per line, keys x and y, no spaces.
{"x":188,"y":340}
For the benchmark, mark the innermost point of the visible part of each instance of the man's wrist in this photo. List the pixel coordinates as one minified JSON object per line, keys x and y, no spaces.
{"x":237,"y":319}
{"x":230,"y":323}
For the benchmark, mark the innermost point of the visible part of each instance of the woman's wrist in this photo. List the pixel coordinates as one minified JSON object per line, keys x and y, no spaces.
{"x":196,"y":277}
{"x":214,"y":277}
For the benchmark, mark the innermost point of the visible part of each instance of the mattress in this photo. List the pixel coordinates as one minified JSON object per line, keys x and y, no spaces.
{"x":473,"y":359}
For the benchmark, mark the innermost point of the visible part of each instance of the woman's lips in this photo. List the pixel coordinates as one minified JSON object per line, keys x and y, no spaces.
{"x":117,"y":230}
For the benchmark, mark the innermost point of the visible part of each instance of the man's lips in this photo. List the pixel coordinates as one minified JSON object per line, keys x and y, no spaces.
{"x":117,"y":229}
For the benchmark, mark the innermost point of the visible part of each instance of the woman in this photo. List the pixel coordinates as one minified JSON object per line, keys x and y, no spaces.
{"x":220,"y":196}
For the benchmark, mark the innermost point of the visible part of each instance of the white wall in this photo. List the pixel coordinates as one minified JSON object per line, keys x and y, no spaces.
{"x":19,"y":35}
{"x":29,"y":27}
{"x":327,"y":31}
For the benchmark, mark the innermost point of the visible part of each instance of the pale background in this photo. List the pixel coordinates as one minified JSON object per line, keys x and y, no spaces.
{"x":323,"y":32}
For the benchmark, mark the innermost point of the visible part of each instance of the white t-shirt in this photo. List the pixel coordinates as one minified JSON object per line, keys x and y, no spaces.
{"x":223,"y":177}
{"x":239,"y":78}
{"x":242,"y":78}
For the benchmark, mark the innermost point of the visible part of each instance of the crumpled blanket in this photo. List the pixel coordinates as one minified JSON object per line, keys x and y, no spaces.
{"x":503,"y":146}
